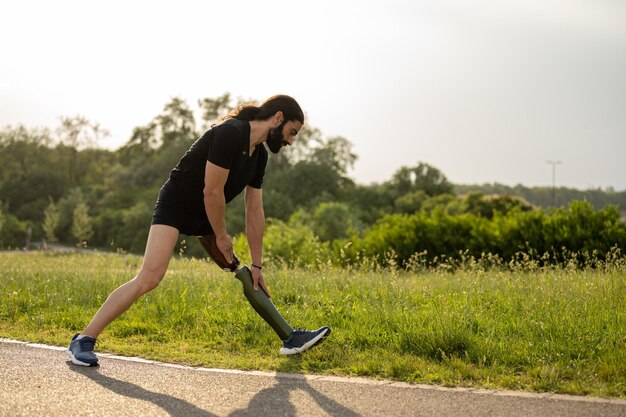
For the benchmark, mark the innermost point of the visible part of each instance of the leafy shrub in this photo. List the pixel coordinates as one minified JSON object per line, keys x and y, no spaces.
{"x":577,"y":229}
{"x":13,"y":232}
{"x":292,"y":244}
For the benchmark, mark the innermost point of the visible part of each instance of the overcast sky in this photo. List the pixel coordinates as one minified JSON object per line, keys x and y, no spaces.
{"x":487,"y":91}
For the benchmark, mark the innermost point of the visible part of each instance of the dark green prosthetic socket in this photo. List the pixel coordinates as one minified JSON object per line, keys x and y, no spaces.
{"x":263,"y":305}
{"x":259,"y":300}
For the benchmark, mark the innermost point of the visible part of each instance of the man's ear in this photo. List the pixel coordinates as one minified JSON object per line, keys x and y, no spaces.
{"x":278,"y":118}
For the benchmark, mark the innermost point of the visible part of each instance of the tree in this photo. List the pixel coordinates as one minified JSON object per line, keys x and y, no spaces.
{"x":154,"y":149}
{"x":81,"y":224}
{"x":422,"y":177}
{"x":76,"y":134}
{"x":312,"y":171}
{"x":333,"y":220}
{"x":79,"y":133}
{"x":542,"y":196}
{"x":12,"y":231}
{"x":51,"y":221}
{"x":335,"y":152}
{"x":25,"y":192}
{"x":305,"y":184}
{"x":22,"y":150}
{"x":176,"y":123}
{"x":370,"y":202}
{"x":411,"y":202}
{"x":487,"y":205}
{"x":213,"y":108}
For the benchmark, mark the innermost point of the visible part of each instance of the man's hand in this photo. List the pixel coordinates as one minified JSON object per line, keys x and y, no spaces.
{"x":257,"y":280}
{"x":225,"y":245}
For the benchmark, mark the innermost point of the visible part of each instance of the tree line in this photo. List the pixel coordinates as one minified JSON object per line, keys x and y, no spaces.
{"x":57,"y":186}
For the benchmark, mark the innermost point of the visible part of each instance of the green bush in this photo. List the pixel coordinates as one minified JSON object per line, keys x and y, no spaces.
{"x":577,"y":229}
{"x":293,"y":244}
{"x":13,"y":232}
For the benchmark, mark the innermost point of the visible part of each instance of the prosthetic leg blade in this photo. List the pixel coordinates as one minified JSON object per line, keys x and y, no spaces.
{"x":263,"y":305}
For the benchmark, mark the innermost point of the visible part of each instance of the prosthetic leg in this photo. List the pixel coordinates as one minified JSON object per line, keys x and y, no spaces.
{"x":258,"y":299}
{"x":262,"y":304}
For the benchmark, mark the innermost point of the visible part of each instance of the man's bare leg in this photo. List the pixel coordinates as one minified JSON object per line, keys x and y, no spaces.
{"x":161,"y":242}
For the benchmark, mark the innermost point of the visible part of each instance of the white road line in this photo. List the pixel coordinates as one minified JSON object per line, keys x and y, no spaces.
{"x":348,"y":380}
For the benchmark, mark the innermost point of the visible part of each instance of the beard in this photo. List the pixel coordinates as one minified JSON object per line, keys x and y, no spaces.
{"x":275,"y":139}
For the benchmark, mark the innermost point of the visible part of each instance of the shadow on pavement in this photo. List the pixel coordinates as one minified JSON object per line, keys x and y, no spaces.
{"x":174,"y":406}
{"x":274,"y":401}
{"x":268,"y":402}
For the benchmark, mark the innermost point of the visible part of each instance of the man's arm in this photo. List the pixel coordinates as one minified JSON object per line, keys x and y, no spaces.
{"x":255,"y":223}
{"x":215,"y":205}
{"x":255,"y":226}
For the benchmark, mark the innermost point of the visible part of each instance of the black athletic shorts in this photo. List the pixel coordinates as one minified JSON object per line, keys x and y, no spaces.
{"x":171,"y":211}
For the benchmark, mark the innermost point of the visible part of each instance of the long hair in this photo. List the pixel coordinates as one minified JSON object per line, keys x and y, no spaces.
{"x":286,"y":104}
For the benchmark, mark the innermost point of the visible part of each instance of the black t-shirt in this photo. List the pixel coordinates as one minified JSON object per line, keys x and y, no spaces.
{"x":228,"y":146}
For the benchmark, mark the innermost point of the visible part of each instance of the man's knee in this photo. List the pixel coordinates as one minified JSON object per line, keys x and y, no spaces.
{"x":150,"y":278}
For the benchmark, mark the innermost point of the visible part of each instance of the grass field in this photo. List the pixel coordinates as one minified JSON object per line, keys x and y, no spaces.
{"x":526,"y":328}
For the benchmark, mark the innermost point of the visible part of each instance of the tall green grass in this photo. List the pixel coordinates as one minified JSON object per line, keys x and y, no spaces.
{"x":517,"y":326}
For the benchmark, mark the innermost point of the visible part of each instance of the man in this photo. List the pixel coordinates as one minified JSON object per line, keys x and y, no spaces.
{"x":226,"y":160}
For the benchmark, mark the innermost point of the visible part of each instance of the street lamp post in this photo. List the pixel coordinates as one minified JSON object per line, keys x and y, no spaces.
{"x":554,"y":164}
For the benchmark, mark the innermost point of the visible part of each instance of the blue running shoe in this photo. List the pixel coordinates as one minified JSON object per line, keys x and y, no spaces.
{"x":81,"y":351}
{"x":300,"y":340}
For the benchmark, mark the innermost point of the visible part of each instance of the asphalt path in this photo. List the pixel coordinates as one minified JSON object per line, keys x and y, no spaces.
{"x":38,"y":380}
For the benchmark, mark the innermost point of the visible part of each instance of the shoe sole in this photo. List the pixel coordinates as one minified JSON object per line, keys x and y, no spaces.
{"x":309,"y":345}
{"x":77,"y":362}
